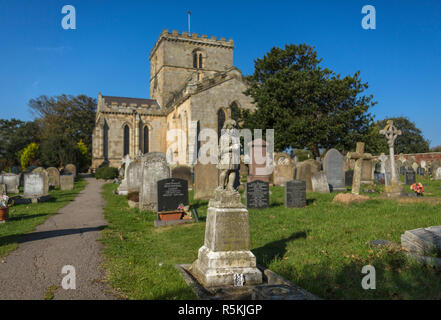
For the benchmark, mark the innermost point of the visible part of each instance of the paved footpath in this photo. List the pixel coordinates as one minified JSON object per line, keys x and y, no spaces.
{"x":68,"y":238}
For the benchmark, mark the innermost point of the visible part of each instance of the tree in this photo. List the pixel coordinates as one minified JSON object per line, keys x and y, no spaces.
{"x":58,"y":151}
{"x":410,"y":141}
{"x":15,"y":136}
{"x":72,"y":117}
{"x":30,"y":155}
{"x":307,"y":106}
{"x":436,"y":149}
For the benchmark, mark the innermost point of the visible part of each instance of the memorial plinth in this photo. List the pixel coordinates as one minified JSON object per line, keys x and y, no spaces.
{"x":226,"y":249}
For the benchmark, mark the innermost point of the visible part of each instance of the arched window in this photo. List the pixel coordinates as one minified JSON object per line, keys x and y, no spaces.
{"x":106,"y":141}
{"x":195,"y":59}
{"x":200,"y":61}
{"x":146,"y":139}
{"x":220,"y":121}
{"x":126,"y":140}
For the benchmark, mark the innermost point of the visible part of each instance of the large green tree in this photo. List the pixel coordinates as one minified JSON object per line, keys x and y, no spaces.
{"x":308,"y":106}
{"x":72,"y":117}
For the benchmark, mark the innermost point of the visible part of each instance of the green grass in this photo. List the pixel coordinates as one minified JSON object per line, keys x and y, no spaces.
{"x":322,"y":247}
{"x":23,"y":218}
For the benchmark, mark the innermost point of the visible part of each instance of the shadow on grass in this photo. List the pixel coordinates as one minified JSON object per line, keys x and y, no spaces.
{"x":26,"y":216}
{"x":275,"y":249}
{"x":35,"y":236}
{"x":396,"y":278}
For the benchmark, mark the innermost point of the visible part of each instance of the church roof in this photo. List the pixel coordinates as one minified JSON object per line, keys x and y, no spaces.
{"x":136,"y":102}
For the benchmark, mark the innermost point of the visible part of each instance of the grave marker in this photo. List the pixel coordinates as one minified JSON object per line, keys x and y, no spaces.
{"x":257,"y":194}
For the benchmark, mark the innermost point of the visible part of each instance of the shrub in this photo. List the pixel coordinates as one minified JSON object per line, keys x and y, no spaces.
{"x":106,"y":173}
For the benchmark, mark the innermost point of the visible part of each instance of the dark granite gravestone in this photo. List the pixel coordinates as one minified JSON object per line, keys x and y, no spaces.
{"x":171,"y":193}
{"x":257,"y":194}
{"x":349,"y":176}
{"x":295,"y":194}
{"x":402,"y":170}
{"x":379,"y":178}
{"x":421,"y":171}
{"x":410,"y":177}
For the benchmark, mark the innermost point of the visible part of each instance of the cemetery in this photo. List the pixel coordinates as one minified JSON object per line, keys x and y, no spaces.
{"x":276,"y":179}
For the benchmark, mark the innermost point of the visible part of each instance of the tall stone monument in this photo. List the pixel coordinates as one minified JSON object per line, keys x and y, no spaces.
{"x":226,"y":251}
{"x":395,"y":188}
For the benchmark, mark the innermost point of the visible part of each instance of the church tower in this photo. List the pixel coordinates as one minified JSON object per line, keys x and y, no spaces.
{"x":178,"y":58}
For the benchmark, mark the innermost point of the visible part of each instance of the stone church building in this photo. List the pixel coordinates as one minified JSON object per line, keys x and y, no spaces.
{"x":193,"y":85}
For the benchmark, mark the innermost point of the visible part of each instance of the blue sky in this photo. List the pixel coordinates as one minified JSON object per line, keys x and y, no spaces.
{"x":108,"y":52}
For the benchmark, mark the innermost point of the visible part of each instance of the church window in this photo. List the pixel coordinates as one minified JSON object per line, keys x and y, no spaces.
{"x":126,"y":140}
{"x":200,"y":61}
{"x":106,"y":141}
{"x":195,"y":60}
{"x":146,"y":139}
{"x":220,"y":121}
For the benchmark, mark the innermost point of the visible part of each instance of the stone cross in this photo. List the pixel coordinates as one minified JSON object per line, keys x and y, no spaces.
{"x":126,"y":161}
{"x":359,"y":156}
{"x":391,"y":133}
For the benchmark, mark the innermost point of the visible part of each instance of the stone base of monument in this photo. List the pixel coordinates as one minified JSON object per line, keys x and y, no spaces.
{"x":395,"y":191}
{"x":273,"y":287}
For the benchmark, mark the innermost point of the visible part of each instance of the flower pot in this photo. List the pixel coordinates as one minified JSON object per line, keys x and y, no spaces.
{"x":166,"y":216}
{"x":4,"y":214}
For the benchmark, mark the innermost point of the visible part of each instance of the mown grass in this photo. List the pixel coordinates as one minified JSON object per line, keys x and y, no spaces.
{"x":23,"y":218}
{"x":322,"y":247}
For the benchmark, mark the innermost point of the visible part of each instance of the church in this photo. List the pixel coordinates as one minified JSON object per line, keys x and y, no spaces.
{"x":193,"y":85}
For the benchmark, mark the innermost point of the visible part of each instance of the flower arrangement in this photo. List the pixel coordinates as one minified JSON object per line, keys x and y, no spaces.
{"x":417,"y":188}
{"x":4,"y":201}
{"x":181,"y":207}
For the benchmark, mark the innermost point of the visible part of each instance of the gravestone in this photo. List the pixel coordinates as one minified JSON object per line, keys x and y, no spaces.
{"x":2,"y":189}
{"x":420,"y":171}
{"x":367,"y":170}
{"x":259,"y":166}
{"x":295,"y":194}
{"x":360,"y":158}
{"x":35,"y":185}
{"x":134,"y":176}
{"x":257,"y":194}
{"x":410,"y":177}
{"x":53,"y":177}
{"x":183,"y":172}
{"x":437,"y":175}
{"x":320,"y":182}
{"x":333,"y":167}
{"x":349,"y":177}
{"x":423,"y":164}
{"x":403,"y":170}
{"x":415,"y":166}
{"x":305,"y":170}
{"x":422,"y":241}
{"x":67,"y":182}
{"x":154,"y":168}
{"x":205,"y":180}
{"x":379,"y":178}
{"x":123,"y":188}
{"x":12,"y":182}
{"x":283,"y":169}
{"x":70,"y":168}
{"x":172,"y":192}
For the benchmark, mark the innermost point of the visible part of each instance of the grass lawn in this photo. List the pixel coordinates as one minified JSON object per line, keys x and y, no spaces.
{"x":322,"y":247}
{"x":24,"y":218}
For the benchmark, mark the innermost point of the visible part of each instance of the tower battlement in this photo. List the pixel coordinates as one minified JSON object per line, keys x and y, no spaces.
{"x":197,"y":39}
